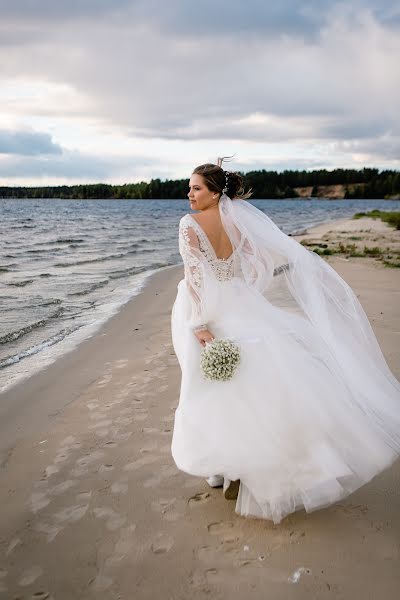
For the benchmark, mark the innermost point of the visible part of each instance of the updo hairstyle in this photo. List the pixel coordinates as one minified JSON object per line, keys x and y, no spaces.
{"x":215,"y":180}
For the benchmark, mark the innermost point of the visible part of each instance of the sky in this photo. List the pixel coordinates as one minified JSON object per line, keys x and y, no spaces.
{"x":123,"y":91}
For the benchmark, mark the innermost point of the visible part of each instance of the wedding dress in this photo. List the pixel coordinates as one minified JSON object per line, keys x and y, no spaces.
{"x":313,"y":411}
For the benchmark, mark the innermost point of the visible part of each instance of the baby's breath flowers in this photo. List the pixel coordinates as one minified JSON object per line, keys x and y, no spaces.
{"x":219,"y":360}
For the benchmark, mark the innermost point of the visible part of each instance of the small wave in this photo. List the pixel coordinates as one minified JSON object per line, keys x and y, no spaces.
{"x":21,"y":283}
{"x":136,"y":270}
{"x":15,"y":335}
{"x":60,"y":241}
{"x":67,"y":241}
{"x":92,"y":288}
{"x":6,"y":268}
{"x":58,"y":337}
{"x":46,"y":275}
{"x":26,"y":304}
{"x":92,"y":260}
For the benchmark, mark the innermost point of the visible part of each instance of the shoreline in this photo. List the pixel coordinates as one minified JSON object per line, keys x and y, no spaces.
{"x":35,"y":362}
{"x":17,"y":413}
{"x":93,"y":505}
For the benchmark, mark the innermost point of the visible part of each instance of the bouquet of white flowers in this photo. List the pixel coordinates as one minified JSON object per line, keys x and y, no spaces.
{"x":219,"y":359}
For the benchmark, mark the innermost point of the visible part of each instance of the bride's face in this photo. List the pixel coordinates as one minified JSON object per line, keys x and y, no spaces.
{"x":200,"y":197}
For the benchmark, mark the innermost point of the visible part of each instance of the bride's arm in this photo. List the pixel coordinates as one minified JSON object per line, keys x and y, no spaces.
{"x":194,"y":276}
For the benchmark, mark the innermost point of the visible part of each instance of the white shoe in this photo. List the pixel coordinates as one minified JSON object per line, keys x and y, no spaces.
{"x":215,"y":481}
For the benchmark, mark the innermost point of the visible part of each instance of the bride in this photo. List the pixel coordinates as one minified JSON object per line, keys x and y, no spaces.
{"x":313,"y":411}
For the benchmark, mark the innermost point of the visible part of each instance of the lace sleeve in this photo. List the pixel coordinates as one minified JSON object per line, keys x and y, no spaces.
{"x":189,"y":249}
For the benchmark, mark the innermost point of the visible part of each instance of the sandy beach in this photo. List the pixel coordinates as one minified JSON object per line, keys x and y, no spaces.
{"x":93,"y":506}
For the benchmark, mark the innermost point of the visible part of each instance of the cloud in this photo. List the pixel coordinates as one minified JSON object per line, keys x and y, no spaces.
{"x":75,"y":166}
{"x":27,"y":143}
{"x":155,"y":83}
{"x":256,"y":76}
{"x":203,"y":18}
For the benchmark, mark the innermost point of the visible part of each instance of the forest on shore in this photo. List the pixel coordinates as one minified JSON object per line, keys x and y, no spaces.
{"x":338,"y":183}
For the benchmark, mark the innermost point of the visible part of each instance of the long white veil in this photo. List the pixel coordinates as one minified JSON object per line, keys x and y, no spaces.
{"x":297,"y":280}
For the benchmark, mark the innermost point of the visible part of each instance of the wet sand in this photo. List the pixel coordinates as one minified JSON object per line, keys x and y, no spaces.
{"x":92,"y":505}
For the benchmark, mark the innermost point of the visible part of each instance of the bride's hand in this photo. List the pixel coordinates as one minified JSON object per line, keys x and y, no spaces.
{"x":203,"y":335}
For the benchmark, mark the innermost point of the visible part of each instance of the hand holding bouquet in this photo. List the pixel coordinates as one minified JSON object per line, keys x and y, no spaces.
{"x":219,"y":359}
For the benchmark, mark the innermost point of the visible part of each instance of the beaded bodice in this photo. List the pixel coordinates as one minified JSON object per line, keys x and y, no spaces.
{"x":221,"y":267}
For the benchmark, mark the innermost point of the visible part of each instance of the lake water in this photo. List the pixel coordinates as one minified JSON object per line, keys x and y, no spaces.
{"x":66,"y":266}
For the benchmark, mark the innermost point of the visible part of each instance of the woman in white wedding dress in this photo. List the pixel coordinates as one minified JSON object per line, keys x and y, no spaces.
{"x":313,"y":411}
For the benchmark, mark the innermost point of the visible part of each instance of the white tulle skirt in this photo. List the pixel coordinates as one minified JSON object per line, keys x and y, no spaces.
{"x":301,"y":423}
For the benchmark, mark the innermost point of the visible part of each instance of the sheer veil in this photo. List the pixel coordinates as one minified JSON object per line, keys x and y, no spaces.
{"x":298,"y":281}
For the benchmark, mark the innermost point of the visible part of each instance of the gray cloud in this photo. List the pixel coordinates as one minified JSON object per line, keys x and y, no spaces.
{"x":27,"y":143}
{"x":384,"y":148}
{"x":77,"y":166}
{"x":205,"y":17}
{"x":318,"y":71}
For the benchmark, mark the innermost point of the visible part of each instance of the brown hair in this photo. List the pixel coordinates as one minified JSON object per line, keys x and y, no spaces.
{"x":214,"y":178}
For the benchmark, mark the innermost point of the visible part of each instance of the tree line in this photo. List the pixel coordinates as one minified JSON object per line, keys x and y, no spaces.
{"x":362,"y":183}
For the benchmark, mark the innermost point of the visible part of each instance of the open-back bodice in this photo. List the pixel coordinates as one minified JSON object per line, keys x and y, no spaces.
{"x":222,"y":267}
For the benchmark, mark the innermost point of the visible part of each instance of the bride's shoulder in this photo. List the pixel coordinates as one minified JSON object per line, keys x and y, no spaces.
{"x":185,"y":220}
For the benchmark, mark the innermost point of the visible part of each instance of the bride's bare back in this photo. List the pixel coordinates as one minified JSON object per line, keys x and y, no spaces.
{"x":210,"y":222}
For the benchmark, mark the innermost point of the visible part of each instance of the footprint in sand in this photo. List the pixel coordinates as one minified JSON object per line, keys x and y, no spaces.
{"x":126,"y":411}
{"x":70,"y":443}
{"x":51,"y":470}
{"x":103,"y":423}
{"x":162,"y":544}
{"x":110,"y":444}
{"x":226,"y":530}
{"x":102,"y":433}
{"x":97,"y":417}
{"x":83,"y":496}
{"x":30,"y":575}
{"x":151,"y":447}
{"x":13,"y":544}
{"x":122,"y":548}
{"x":162,"y":504}
{"x":140,"y":462}
{"x":152,"y":482}
{"x":123,"y":420}
{"x":101,"y":583}
{"x":38,"y":500}
{"x":150,"y":430}
{"x":119,"y":487}
{"x":199,"y":498}
{"x":120,"y":364}
{"x":106,"y":467}
{"x":92,"y":405}
{"x":90,"y":458}
{"x":50,"y":530}
{"x":103,"y":382}
{"x":84,"y":462}
{"x":71,"y":514}
{"x":61,"y":456}
{"x":113,"y":519}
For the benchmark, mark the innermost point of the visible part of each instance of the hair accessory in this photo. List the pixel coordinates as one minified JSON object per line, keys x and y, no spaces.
{"x":224,"y":191}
